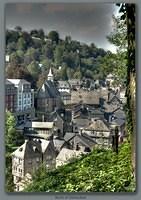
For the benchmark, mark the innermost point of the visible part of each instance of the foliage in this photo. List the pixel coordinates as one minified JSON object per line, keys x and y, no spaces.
{"x":100,"y":171}
{"x":80,"y":60}
{"x":54,"y":36}
{"x":12,"y":140}
{"x":116,"y":63}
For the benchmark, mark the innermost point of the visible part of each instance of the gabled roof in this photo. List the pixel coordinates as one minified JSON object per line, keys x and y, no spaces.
{"x":44,"y":144}
{"x":98,"y":125}
{"x":85,"y":97}
{"x":9,"y":82}
{"x":120,"y":114}
{"x":28,"y":149}
{"x":54,"y":115}
{"x":48,"y":90}
{"x":68,"y":136}
{"x":113,"y":99}
{"x":118,"y":122}
{"x":109,"y":108}
{"x":42,"y":125}
{"x":84,"y":140}
{"x":64,"y":93}
{"x":64,"y":84}
{"x":58,"y":144}
{"x":66,"y":154}
{"x":80,"y":122}
{"x":17,"y":81}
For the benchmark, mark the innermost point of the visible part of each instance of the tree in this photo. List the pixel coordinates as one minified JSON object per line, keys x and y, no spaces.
{"x":21,"y":44}
{"x":34,"y":69}
{"x":41,"y":34}
{"x":116,"y":63}
{"x":18,"y":28}
{"x":14,"y":59}
{"x":12,"y":140}
{"x":12,"y":137}
{"x":54,"y":36}
{"x":128,"y":15}
{"x":47,"y":51}
{"x":31,"y":55}
{"x":58,"y":55}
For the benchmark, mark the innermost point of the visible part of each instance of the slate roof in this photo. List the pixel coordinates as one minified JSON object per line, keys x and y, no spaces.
{"x":48,"y":90}
{"x":41,"y":125}
{"x":9,"y":82}
{"x":63,"y":84}
{"x":17,"y":81}
{"x":109,"y":108}
{"x":58,"y":144}
{"x":98,"y":125}
{"x":120,"y":114}
{"x":68,"y":136}
{"x":80,"y":122}
{"x":65,"y":93}
{"x":65,"y":154}
{"x":118,"y":122}
{"x":29,"y":148}
{"x":53,"y":116}
{"x":84,"y":140}
{"x":85,"y":97}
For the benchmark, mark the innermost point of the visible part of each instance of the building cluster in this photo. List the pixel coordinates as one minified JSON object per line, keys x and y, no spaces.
{"x":70,"y":118}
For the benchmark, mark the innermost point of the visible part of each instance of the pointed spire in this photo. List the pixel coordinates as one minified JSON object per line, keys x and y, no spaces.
{"x":50,"y":75}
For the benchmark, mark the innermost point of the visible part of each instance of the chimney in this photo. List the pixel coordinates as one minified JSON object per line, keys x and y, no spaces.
{"x":43,"y":118}
{"x":108,"y":96}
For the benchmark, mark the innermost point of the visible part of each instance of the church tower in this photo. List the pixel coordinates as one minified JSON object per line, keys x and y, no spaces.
{"x":50,"y":75}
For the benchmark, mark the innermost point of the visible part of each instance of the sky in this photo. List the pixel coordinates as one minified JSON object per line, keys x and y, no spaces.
{"x":85,"y":22}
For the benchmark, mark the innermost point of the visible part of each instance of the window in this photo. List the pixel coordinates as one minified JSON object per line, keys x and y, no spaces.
{"x":19,"y":102}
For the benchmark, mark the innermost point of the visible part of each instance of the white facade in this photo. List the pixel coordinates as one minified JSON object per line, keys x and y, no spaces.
{"x":64,"y":86}
{"x":24,"y":94}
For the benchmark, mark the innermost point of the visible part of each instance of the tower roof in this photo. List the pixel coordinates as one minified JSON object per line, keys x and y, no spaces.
{"x":50,"y":72}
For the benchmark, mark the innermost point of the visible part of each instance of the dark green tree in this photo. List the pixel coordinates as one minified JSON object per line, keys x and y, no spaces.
{"x":54,"y":36}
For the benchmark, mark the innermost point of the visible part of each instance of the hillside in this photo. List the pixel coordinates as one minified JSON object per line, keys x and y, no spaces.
{"x":31,"y":54}
{"x":100,"y":171}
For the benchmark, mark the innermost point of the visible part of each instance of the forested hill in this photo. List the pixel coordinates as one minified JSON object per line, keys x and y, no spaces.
{"x":100,"y":171}
{"x":68,"y":58}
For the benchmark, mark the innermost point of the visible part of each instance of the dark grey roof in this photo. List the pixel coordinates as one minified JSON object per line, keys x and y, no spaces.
{"x":58,"y":144}
{"x":120,"y":114}
{"x":85,"y":97}
{"x":9,"y":83}
{"x":118,"y":122}
{"x":84,"y":140}
{"x":114,"y":98}
{"x":50,"y":90}
{"x":65,"y":93}
{"x":68,"y":136}
{"x":64,"y":84}
{"x":53,"y":115}
{"x":80,"y":122}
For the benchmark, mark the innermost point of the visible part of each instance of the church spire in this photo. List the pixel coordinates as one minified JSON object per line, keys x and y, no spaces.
{"x":50,"y":75}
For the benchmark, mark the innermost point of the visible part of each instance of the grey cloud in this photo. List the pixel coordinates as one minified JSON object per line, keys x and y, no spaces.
{"x":88,"y":22}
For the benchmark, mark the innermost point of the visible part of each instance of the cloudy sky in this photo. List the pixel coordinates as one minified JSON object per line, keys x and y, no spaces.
{"x":85,"y":22}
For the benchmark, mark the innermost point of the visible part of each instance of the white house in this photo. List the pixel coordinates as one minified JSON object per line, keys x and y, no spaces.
{"x":25,"y":98}
{"x":64,"y":86}
{"x":29,"y":157}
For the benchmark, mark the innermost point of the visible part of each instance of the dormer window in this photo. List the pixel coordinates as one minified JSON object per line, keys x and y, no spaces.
{"x":21,"y":149}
